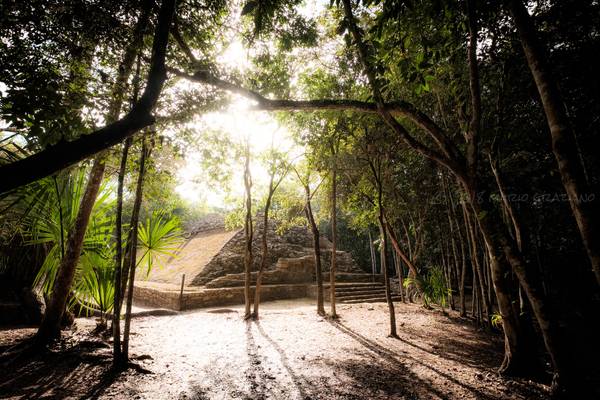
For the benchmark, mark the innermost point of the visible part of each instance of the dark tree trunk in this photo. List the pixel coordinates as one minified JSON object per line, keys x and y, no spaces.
{"x":119,"y":256}
{"x":332,"y":269}
{"x":386,"y":279}
{"x":478,"y":270}
{"x":248,"y":233}
{"x":317,"y":250}
{"x":583,"y":201}
{"x":132,"y":256}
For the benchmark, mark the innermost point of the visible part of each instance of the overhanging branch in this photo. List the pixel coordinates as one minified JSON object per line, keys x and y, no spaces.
{"x":63,"y":154}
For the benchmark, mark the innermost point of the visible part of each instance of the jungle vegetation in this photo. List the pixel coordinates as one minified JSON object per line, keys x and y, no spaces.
{"x":450,"y":145}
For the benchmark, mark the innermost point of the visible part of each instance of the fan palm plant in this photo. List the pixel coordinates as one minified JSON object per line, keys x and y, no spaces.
{"x":159,"y":238}
{"x":433,"y":287}
{"x":48,"y":209}
{"x":51,"y":208}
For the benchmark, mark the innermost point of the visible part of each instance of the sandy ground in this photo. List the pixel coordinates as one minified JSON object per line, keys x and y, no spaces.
{"x":290,"y":354}
{"x":192,"y":257}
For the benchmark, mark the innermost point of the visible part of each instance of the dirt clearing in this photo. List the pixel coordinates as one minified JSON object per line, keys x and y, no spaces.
{"x":291,"y":353}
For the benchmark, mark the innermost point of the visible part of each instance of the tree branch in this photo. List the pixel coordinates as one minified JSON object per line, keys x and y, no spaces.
{"x":63,"y":154}
{"x":395,"y":108}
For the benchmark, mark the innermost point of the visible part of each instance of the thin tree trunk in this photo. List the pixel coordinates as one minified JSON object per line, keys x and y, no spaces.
{"x":454,"y":268}
{"x":582,"y":200}
{"x":119,"y":256}
{"x":478,"y":271}
{"x":388,"y":290}
{"x":317,"y":250}
{"x":264,"y":250}
{"x":398,"y":266}
{"x":135,"y":217}
{"x":463,"y":265}
{"x":333,"y":268}
{"x":248,"y":232}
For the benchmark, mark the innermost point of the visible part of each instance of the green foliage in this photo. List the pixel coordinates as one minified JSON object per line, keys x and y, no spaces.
{"x":94,"y":287}
{"x":235,"y":219}
{"x":496,"y":320}
{"x":53,"y":207}
{"x":433,"y":287}
{"x":159,"y":238}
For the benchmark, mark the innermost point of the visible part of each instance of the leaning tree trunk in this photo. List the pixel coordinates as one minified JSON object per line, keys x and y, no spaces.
{"x":317,"y":251}
{"x":413,"y":273}
{"x":333,"y":268}
{"x":520,"y":358}
{"x":50,"y":327}
{"x":582,"y":200}
{"x":494,"y":233}
{"x":66,"y":273}
{"x":132,"y":256}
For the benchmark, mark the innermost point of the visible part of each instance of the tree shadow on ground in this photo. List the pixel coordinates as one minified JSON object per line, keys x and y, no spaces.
{"x":255,"y":381}
{"x":71,"y":369}
{"x":300,"y":383}
{"x":399,"y":379}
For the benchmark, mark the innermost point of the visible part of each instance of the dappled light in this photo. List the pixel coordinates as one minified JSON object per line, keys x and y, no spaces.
{"x":299,"y":199}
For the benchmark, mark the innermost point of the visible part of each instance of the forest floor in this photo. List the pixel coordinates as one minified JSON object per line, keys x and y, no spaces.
{"x":290,"y":354}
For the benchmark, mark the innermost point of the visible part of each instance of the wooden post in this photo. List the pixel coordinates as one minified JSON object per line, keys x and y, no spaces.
{"x":181,"y":292}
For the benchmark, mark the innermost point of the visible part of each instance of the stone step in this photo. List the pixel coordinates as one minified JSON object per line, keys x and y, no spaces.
{"x":371,"y":292}
{"x":363,"y":296}
{"x":355,"y":285}
{"x":380,"y":299}
{"x":351,"y":289}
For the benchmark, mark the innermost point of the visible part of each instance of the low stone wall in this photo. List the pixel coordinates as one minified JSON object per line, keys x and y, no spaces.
{"x":165,"y":298}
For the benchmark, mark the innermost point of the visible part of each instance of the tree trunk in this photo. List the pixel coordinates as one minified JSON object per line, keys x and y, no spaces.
{"x":317,"y":250}
{"x":50,"y":326}
{"x":477,"y":270}
{"x":264,"y":250}
{"x":248,"y":233}
{"x":386,"y":279}
{"x":493,"y":232}
{"x":332,"y":269}
{"x":65,"y":153}
{"x":119,"y":256}
{"x":135,"y":217}
{"x":582,"y":200}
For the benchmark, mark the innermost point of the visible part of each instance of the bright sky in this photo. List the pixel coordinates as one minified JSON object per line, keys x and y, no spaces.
{"x":237,"y":121}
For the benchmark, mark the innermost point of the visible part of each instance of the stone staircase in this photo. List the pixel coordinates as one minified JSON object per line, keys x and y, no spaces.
{"x":361,"y":292}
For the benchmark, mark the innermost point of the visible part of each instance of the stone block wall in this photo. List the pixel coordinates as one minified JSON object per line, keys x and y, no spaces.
{"x":295,"y":243}
{"x":170,"y":299}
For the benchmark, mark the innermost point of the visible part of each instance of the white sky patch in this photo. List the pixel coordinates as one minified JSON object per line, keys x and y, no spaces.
{"x":237,"y":121}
